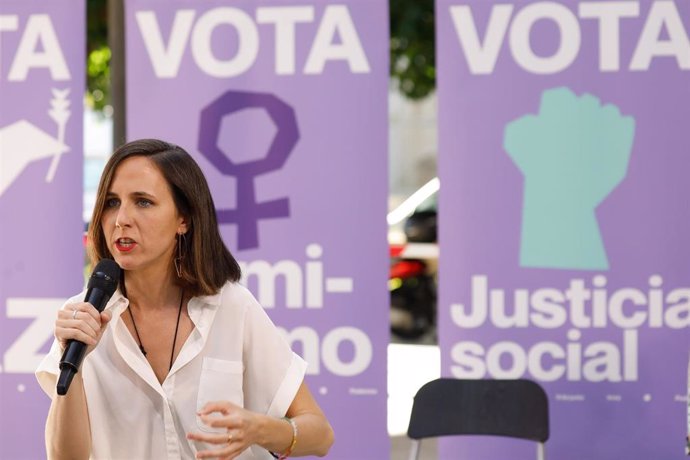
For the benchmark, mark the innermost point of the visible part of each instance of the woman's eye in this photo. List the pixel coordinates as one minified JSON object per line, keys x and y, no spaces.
{"x":144,"y":203}
{"x":111,"y":202}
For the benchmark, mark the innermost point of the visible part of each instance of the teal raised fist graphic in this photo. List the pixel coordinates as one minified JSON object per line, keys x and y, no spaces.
{"x":572,"y":155}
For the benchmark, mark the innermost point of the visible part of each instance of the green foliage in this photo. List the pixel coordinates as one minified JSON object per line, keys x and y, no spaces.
{"x":412,"y":52}
{"x":98,"y":55}
{"x":98,"y":78}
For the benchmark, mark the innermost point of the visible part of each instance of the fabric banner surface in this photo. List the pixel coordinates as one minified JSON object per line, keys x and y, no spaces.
{"x":41,"y":253}
{"x":284,"y":106}
{"x":565,"y":225}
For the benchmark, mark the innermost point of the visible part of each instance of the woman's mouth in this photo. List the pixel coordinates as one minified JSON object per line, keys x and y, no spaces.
{"x":125,"y":244}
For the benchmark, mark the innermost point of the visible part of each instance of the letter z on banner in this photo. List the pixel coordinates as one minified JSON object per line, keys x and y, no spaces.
{"x":41,"y":167}
{"x":284,"y":106}
{"x":565,"y":239}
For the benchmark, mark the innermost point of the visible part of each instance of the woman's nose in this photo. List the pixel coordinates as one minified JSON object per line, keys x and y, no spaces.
{"x":122,"y":220}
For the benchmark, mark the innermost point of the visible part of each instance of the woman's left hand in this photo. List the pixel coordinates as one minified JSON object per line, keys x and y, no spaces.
{"x":242,"y":430}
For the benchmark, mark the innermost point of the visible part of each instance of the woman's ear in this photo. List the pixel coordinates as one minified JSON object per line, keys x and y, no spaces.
{"x":183,"y":227}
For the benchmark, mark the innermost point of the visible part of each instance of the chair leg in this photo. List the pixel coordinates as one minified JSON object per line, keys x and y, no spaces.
{"x":541,"y":454}
{"x":414,"y":449}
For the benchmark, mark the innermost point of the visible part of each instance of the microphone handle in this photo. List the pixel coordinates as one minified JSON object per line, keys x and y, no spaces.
{"x":75,"y":350}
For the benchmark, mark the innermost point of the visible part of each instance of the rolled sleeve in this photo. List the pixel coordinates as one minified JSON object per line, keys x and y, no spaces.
{"x":49,"y":368}
{"x":273,"y":372}
{"x":288,"y":389}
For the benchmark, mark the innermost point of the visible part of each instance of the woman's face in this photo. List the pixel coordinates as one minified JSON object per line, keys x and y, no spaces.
{"x":140,"y":220}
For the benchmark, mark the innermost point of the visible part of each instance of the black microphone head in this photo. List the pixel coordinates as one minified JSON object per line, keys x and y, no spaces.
{"x":105,"y":276}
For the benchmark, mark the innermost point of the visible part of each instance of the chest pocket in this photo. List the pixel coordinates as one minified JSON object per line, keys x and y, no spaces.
{"x":220,"y":380}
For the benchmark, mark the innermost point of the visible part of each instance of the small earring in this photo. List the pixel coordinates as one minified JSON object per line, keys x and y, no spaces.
{"x":180,"y":256}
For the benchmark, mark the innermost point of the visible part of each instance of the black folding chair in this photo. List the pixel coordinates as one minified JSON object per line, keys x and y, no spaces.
{"x":512,"y":408}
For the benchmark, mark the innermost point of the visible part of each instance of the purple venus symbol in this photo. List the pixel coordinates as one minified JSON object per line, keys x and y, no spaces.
{"x":248,"y":211}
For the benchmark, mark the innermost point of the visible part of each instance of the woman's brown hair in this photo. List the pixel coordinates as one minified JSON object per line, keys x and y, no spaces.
{"x":207,"y":263}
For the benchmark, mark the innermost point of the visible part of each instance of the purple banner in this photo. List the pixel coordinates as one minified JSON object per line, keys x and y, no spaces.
{"x":41,"y":255}
{"x":565,"y":225}
{"x":284,"y":106}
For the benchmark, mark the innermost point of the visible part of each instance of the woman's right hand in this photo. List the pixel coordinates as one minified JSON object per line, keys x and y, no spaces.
{"x":82,"y":322}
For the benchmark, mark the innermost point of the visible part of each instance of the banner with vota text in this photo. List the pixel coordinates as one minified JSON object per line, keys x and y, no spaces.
{"x":565,"y":231}
{"x":284,"y":106}
{"x":41,"y":254}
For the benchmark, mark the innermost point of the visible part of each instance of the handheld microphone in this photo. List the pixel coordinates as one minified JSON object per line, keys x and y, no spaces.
{"x":101,"y":286}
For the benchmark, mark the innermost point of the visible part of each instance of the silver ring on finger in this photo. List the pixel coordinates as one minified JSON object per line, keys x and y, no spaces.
{"x":74,"y":314}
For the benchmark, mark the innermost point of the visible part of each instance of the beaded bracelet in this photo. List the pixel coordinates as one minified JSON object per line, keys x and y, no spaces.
{"x":287,"y":453}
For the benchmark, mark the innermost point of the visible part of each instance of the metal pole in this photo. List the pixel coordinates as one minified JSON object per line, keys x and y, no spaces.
{"x":116,"y":40}
{"x":414,"y":449}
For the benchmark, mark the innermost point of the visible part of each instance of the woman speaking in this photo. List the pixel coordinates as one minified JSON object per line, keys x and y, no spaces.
{"x":183,"y":362}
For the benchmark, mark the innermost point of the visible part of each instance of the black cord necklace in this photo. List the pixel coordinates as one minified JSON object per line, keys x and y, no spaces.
{"x":177,"y":327}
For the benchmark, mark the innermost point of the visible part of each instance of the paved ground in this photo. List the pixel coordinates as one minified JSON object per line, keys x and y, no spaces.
{"x":409,"y":369}
{"x":400,"y":449}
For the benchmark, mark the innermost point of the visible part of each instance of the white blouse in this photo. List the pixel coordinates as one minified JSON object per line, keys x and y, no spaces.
{"x":234,"y":353}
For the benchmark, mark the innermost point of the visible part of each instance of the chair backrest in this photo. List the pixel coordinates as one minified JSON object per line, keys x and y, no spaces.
{"x":513,"y":408}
